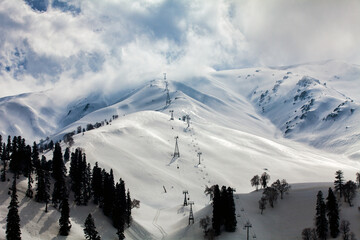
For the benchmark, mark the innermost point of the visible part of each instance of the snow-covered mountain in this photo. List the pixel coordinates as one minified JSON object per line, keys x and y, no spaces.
{"x":287,"y":122}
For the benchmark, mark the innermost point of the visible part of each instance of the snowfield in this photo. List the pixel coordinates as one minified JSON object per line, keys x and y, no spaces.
{"x":237,"y":139}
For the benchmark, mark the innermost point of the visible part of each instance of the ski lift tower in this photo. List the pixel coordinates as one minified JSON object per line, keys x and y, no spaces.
{"x":172,"y":114}
{"x":176,"y":152}
{"x":247,"y":226}
{"x":188,"y":120}
{"x":185,"y":199}
{"x":191,"y":215}
{"x":199,"y":154}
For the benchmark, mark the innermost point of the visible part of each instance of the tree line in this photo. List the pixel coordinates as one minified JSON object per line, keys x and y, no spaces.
{"x":85,"y":183}
{"x":224,"y":211}
{"x":327,"y":217}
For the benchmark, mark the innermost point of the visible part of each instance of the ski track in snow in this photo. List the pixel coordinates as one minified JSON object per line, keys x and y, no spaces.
{"x":161,"y":230}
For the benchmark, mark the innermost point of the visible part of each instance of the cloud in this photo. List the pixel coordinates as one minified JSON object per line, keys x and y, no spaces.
{"x":113,"y":44}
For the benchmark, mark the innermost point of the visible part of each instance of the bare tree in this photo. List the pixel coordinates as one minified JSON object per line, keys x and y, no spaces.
{"x":358,"y":179}
{"x":349,"y":191}
{"x":309,"y":234}
{"x":262,"y":204}
{"x":345,"y":229}
{"x":255,"y":181}
{"x":271,"y":195}
{"x":209,"y":191}
{"x":264,"y":179}
{"x":281,"y":186}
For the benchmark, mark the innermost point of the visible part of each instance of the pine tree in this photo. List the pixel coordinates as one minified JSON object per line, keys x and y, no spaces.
{"x":332,"y":213}
{"x":90,"y":229}
{"x":216,"y":219}
{"x":96,"y":183}
{"x":119,"y":205}
{"x":59,"y":172}
{"x":345,"y":229}
{"x":320,"y":218}
{"x":128,"y":209}
{"x":109,"y":189}
{"x":30,"y":170}
{"x":67,"y":154}
{"x":230,"y":215}
{"x":4,"y":159}
{"x":223,"y":203}
{"x":13,"y":231}
{"x":339,"y":182}
{"x":120,"y":232}
{"x":64,"y":220}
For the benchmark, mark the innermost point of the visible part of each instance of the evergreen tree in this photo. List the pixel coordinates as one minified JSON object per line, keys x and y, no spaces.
{"x":90,"y":229}
{"x":339,"y":182}
{"x":30,"y":169}
{"x":35,"y":156}
{"x":320,"y":218}
{"x":64,"y":220}
{"x":47,"y":183}
{"x":119,"y":205}
{"x":216,"y":219}
{"x":96,"y":183}
{"x":67,"y":154}
{"x":332,"y":213}
{"x":59,"y":172}
{"x":13,"y":231}
{"x":87,"y":184}
{"x":4,"y":159}
{"x":223,"y":203}
{"x":128,"y":209}
{"x":255,"y":181}
{"x":264,"y":179}
{"x":109,"y":189}
{"x":230,"y":214}
{"x":120,"y":232}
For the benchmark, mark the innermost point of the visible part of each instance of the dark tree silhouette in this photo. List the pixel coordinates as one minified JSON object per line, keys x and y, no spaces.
{"x":339,"y":182}
{"x":264,"y":179}
{"x":230,"y":212}
{"x":128,"y":208}
{"x":321,"y":222}
{"x":90,"y":229}
{"x":271,"y":195}
{"x":281,"y":186}
{"x":13,"y":231}
{"x":97,"y":183}
{"x":217,"y":214}
{"x":345,"y":229}
{"x":59,"y":172}
{"x":64,"y":220}
{"x":255,"y":181}
{"x":332,"y":208}
{"x":262,"y":204}
{"x":349,"y":192}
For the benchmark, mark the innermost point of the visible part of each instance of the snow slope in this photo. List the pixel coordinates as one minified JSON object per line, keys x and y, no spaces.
{"x":237,"y":140}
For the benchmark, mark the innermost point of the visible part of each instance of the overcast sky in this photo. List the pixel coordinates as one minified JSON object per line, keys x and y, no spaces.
{"x":110,"y":44}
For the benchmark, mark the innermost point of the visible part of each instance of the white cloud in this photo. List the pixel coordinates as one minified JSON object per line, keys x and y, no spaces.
{"x":111,"y":43}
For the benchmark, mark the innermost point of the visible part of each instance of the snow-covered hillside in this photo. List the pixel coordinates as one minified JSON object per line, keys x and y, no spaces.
{"x":240,"y":121}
